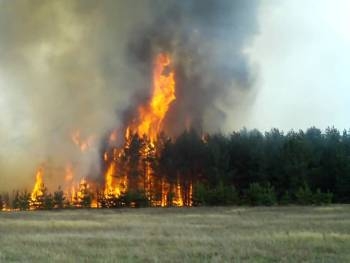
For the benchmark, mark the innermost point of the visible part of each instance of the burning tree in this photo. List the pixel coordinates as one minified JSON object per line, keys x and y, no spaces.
{"x":132,"y":167}
{"x":132,"y":174}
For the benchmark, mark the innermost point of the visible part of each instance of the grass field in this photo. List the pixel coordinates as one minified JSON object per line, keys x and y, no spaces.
{"x":229,"y":234}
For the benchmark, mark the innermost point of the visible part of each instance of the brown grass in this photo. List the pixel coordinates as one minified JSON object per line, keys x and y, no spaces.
{"x":230,"y":234}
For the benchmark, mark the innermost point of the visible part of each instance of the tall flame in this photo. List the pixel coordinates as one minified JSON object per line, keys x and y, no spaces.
{"x":153,"y":113}
{"x":37,"y":190}
{"x":149,"y":122}
{"x":109,"y":188}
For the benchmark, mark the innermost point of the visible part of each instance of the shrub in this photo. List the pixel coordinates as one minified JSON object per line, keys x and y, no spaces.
{"x":261,"y":195}
{"x":21,"y":200}
{"x":231,"y":195}
{"x":304,"y":195}
{"x":58,"y":198}
{"x":220,"y":195}
{"x":200,"y":194}
{"x":134,"y":199}
{"x":48,"y":202}
{"x":286,"y":199}
{"x":320,"y":198}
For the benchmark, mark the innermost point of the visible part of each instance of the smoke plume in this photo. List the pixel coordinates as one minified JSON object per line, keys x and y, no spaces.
{"x":68,"y":66}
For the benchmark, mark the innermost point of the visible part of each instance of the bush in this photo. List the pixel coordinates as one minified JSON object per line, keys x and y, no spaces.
{"x":260,"y":195}
{"x":220,"y":195}
{"x":58,"y":199}
{"x":48,"y":202}
{"x":231,"y":195}
{"x":21,"y":200}
{"x":286,"y":199}
{"x":304,"y":195}
{"x":320,"y":198}
{"x":200,"y":194}
{"x":134,"y":199}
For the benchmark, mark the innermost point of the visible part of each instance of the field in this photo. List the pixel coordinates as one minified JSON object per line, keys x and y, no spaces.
{"x":223,"y":234}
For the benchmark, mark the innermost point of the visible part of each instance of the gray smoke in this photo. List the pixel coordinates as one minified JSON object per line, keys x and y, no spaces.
{"x":68,"y":65}
{"x":206,"y":40}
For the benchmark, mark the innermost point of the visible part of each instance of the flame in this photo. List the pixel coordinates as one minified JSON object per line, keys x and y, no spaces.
{"x":83,"y":186}
{"x":37,"y":190}
{"x":83,"y":144}
{"x":178,"y":200}
{"x":165,"y":192}
{"x":94,"y":203}
{"x":109,"y":188}
{"x":83,"y":192}
{"x":115,"y":184}
{"x":69,"y":175}
{"x":153,"y":113}
{"x":113,"y":137}
{"x":149,"y":123}
{"x":190,"y":195}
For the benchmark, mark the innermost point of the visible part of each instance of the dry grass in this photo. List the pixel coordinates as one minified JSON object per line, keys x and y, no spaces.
{"x":230,"y":234}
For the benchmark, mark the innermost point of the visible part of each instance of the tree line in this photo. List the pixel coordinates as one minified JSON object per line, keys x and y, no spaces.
{"x":246,"y":167}
{"x":249,"y":167}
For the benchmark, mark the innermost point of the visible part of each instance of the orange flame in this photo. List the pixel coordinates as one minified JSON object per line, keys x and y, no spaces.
{"x":113,"y":137}
{"x":152,"y":114}
{"x":115,"y":184}
{"x":69,"y":173}
{"x":37,"y":190}
{"x":165,"y":192}
{"x":149,"y":123}
{"x":83,"y":144}
{"x":178,"y":200}
{"x":109,"y":189}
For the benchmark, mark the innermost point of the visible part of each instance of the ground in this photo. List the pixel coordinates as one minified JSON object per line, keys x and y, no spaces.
{"x":222,"y":234}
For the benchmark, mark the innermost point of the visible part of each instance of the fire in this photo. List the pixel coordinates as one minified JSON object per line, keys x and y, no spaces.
{"x":148,"y":124}
{"x":178,"y":200}
{"x":38,"y":187}
{"x":165,"y":192}
{"x":113,"y":137}
{"x":69,"y":175}
{"x":83,"y":144}
{"x":119,"y":176}
{"x":153,"y":113}
{"x":109,"y":188}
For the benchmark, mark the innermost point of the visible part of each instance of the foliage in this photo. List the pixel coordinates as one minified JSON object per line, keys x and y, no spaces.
{"x":21,"y":200}
{"x":302,"y":167}
{"x":220,"y":195}
{"x":320,"y":198}
{"x":286,"y":199}
{"x":134,"y":199}
{"x":304,"y":195}
{"x":58,"y":199}
{"x":260,"y":195}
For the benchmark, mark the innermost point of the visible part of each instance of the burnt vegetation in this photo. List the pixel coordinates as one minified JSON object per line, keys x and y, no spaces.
{"x":243,"y":168}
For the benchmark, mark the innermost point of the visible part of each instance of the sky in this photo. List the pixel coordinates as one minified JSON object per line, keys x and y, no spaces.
{"x":63,"y":66}
{"x":302,"y":53}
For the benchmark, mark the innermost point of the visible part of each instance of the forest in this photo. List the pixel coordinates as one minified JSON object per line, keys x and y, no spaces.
{"x":246,"y":167}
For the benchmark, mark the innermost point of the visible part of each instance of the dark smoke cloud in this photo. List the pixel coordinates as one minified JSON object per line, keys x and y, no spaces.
{"x":67,"y":65}
{"x":206,"y":39}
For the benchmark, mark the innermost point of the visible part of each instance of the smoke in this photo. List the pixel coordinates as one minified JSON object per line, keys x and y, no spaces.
{"x":79,"y":65}
{"x":206,"y":39}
